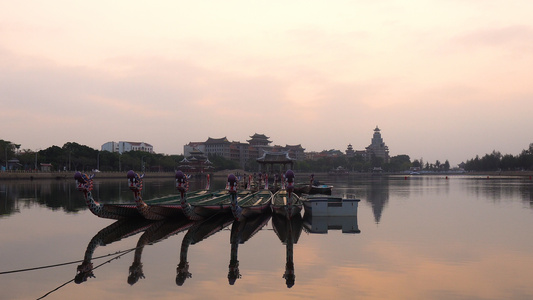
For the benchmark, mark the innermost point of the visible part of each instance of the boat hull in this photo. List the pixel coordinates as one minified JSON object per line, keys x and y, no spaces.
{"x":320,"y":189}
{"x":254,"y":204}
{"x":286,"y":207}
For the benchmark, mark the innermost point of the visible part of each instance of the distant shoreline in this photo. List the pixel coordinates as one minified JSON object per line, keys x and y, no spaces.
{"x":68,"y":175}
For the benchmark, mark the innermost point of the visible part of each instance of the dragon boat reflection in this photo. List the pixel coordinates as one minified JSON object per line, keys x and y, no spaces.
{"x":242,"y":231}
{"x":288,"y":231}
{"x":197,"y":233}
{"x":115,"y":232}
{"x":159,"y":231}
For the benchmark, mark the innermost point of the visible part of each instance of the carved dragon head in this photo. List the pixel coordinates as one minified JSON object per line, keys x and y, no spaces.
{"x":289,"y":181}
{"x":135,"y":181}
{"x":232,"y":183}
{"x":182,"y":184}
{"x":84,"y":183}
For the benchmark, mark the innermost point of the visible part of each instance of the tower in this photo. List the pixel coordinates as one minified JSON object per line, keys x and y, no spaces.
{"x":377,"y":147}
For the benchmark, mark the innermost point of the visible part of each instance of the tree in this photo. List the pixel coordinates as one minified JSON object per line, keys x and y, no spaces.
{"x":417,"y":164}
{"x":399,"y":163}
{"x":446,"y":165}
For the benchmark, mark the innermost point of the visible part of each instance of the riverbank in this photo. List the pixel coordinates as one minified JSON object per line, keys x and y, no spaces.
{"x":68,"y":175}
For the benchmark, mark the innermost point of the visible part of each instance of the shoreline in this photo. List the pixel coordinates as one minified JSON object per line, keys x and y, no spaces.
{"x":68,"y":175}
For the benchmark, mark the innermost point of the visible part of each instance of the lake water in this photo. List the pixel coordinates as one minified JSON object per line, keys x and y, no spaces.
{"x":419,"y":237}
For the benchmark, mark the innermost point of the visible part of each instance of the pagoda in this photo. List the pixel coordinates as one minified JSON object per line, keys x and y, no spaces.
{"x":196,"y":162}
{"x":377,"y":147}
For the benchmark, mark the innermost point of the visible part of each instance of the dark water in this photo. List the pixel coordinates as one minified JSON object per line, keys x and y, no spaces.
{"x":424,"y":237}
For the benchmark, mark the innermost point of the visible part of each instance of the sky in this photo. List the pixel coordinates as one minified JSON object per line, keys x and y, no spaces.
{"x":443,"y":79}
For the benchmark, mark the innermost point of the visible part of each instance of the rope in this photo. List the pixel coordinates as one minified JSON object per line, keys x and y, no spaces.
{"x":120,"y":254}
{"x":64,"y":264}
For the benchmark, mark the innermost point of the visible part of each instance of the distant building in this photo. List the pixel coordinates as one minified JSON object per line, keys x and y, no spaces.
{"x":192,"y":147}
{"x":110,"y":147}
{"x":234,"y":150}
{"x":312,"y":155}
{"x":122,"y":147}
{"x":195,"y":162}
{"x":46,"y":167}
{"x":258,"y":143}
{"x":220,"y":147}
{"x":377,"y":147}
{"x":349,"y":151}
{"x":296,"y":151}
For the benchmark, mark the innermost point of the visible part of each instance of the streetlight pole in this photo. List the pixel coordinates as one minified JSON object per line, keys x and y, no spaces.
{"x":98,"y":161}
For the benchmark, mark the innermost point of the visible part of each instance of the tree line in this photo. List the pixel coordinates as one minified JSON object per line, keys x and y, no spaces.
{"x":75,"y":157}
{"x":495,"y":161}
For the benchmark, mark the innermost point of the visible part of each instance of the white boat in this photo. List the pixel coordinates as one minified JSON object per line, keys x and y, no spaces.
{"x":326,"y":205}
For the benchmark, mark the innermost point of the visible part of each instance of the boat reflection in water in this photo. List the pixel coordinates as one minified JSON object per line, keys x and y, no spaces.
{"x":157,"y":232}
{"x":242,"y":231}
{"x":321,"y":224}
{"x":112,"y":233}
{"x":198,"y":232}
{"x":288,"y":231}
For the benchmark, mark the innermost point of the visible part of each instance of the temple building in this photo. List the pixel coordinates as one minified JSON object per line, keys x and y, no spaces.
{"x":256,"y":146}
{"x":195,"y":162}
{"x":258,"y":143}
{"x":350,"y":152}
{"x":297,"y":152}
{"x":377,"y":147}
{"x":274,"y":162}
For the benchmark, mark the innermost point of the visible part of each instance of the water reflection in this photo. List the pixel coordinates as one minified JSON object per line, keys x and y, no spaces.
{"x":457,"y":238}
{"x":378,"y":196}
{"x":110,"y":234}
{"x":197,"y":233}
{"x":242,"y":231}
{"x":288,"y":232}
{"x":314,"y":224}
{"x":157,"y":232}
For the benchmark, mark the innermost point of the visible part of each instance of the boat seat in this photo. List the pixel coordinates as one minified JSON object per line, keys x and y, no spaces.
{"x":258,"y":201}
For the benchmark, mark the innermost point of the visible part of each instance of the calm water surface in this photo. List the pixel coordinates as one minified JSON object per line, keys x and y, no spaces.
{"x":424,"y":237}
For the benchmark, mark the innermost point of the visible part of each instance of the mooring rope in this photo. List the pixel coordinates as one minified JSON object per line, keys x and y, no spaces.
{"x":63,"y":264}
{"x":120,"y":254}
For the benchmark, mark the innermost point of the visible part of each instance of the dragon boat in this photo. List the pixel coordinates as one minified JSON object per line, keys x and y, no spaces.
{"x":285,"y":202}
{"x":252,"y":204}
{"x":195,"y":207}
{"x":84,"y":183}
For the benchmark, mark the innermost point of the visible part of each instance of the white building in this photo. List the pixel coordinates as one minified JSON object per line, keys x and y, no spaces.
{"x":110,"y":146}
{"x":122,"y":147}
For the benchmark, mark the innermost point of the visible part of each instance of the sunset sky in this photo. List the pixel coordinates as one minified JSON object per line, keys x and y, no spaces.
{"x":443,"y":79}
